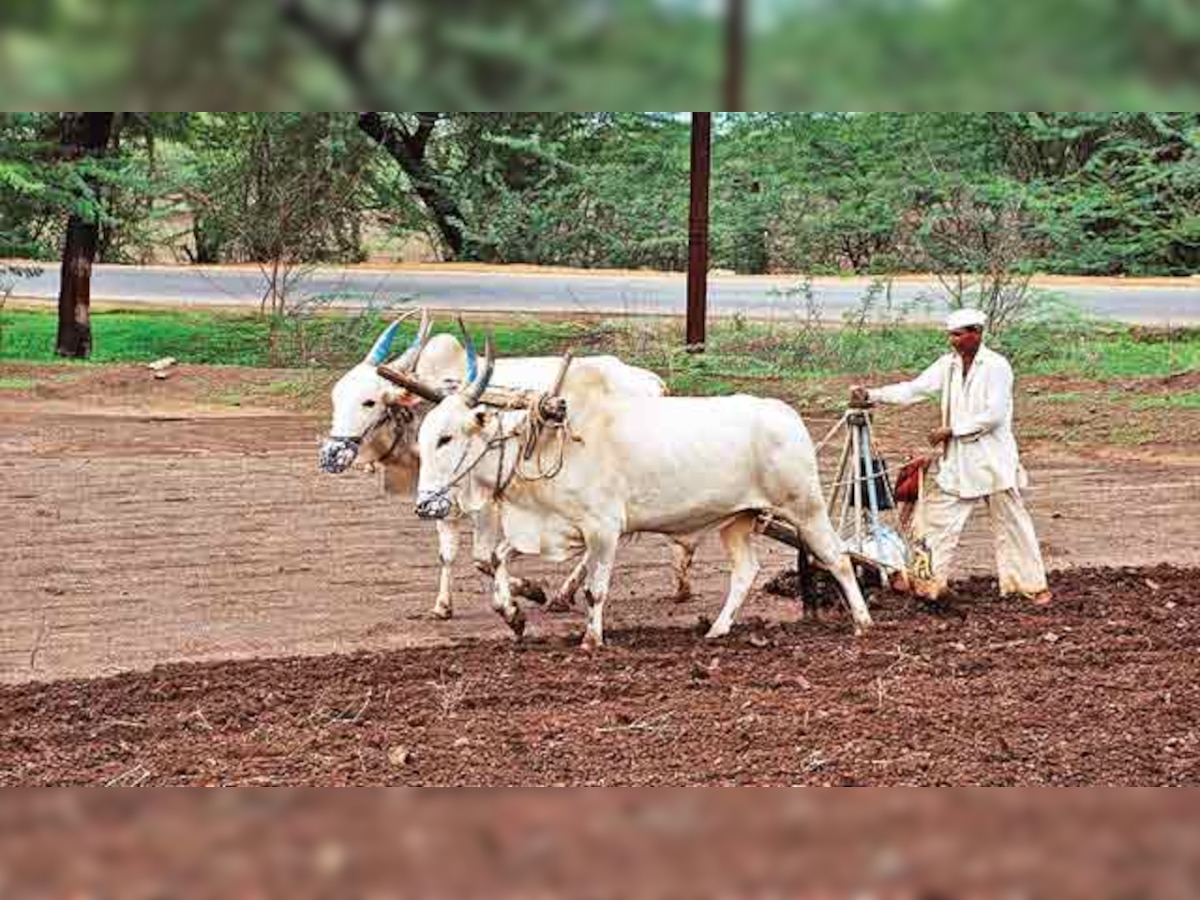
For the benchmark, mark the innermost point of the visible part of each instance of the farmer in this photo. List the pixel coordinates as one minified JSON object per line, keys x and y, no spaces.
{"x":977,"y":457}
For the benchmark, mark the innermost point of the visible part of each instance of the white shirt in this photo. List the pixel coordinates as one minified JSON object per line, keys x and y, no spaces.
{"x":982,"y":457}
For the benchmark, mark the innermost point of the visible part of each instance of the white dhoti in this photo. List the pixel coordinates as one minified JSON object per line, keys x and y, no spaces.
{"x":1018,"y":556}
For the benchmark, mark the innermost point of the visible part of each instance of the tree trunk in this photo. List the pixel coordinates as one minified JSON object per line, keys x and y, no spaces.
{"x":409,"y":151}
{"x":83,"y":134}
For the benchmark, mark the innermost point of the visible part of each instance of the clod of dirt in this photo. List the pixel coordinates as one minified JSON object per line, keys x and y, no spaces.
{"x":399,"y":756}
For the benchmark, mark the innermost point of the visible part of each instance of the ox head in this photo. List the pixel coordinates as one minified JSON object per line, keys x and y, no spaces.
{"x":362,"y":400}
{"x":453,"y":438}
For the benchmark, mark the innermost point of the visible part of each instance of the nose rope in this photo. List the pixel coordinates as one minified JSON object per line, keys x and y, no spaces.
{"x":527,"y":432}
{"x":459,"y":472}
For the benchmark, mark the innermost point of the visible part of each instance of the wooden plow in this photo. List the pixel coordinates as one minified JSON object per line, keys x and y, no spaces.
{"x":859,"y":495}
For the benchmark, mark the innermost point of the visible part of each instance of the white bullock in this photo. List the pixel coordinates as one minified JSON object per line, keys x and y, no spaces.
{"x":375,"y":421}
{"x":669,"y":465}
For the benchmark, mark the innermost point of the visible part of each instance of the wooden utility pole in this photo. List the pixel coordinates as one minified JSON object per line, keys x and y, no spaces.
{"x":735,"y":43}
{"x":697,"y":281}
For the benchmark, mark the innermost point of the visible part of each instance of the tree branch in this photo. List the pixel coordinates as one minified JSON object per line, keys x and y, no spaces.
{"x":344,"y":49}
{"x":408,"y":150}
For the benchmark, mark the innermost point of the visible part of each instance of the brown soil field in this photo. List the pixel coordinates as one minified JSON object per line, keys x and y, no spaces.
{"x":261,"y":623}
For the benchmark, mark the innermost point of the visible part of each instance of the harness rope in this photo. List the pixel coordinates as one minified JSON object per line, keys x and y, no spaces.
{"x":397,"y":417}
{"x":527,"y":433}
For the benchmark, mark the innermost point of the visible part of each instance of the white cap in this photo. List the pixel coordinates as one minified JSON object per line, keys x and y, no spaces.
{"x":965,"y":318}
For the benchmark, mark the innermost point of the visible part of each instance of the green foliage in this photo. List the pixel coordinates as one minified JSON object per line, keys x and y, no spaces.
{"x":276,"y":187}
{"x":1123,"y":189}
{"x":981,"y":199}
{"x":40,"y":185}
{"x":550,"y":54}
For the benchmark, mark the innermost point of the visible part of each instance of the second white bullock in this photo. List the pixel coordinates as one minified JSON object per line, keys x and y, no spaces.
{"x":670,"y":465}
{"x":374,"y":421}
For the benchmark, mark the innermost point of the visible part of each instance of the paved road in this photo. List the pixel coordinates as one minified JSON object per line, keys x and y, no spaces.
{"x":761,"y":296}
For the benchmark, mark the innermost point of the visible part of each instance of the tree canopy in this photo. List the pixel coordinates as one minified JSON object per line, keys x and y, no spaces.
{"x":1102,"y":193}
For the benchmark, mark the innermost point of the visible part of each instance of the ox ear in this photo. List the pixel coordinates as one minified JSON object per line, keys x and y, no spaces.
{"x":406,"y":399}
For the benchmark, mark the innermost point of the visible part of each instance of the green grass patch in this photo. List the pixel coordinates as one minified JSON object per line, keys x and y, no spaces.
{"x":1064,"y":397}
{"x":1185,"y":400}
{"x":694,"y":384}
{"x":789,"y":352}
{"x":27,"y":382}
{"x":223,"y":338}
{"x":142,"y":337}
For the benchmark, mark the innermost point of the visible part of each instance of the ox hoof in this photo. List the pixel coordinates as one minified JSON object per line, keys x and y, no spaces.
{"x":591,"y":642}
{"x":683,"y":595}
{"x":560,"y":603}
{"x":716,"y":632}
{"x":442,"y":613}
{"x":534,"y":593}
{"x":517,"y":624}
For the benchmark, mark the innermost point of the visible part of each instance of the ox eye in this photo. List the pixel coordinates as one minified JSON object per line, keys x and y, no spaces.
{"x":368,"y":403}
{"x":443,"y":440}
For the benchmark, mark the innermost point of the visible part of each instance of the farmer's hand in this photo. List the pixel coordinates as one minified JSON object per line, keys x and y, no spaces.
{"x":940,"y":436}
{"x":859,"y":396}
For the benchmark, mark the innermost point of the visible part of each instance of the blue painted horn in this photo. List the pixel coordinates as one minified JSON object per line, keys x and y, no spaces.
{"x":383,"y":344}
{"x":472,"y":358}
{"x":407,"y":361}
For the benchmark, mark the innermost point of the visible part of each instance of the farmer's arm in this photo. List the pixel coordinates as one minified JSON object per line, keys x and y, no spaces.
{"x":904,"y":393}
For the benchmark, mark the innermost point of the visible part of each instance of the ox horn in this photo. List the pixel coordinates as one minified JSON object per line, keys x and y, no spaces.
{"x":407,"y":362}
{"x":379,"y":350}
{"x":475,"y":388}
{"x":472,"y":357}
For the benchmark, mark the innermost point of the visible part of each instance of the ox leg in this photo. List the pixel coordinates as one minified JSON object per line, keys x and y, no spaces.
{"x":502,"y":600}
{"x":529,"y":589}
{"x":447,"y":551}
{"x":823,"y":541}
{"x":735,"y":535}
{"x":564,"y":598}
{"x":602,"y":552}
{"x":486,"y":539}
{"x":683,"y":551}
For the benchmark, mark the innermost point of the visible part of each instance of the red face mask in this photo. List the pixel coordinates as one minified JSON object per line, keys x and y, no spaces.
{"x":966,"y":341}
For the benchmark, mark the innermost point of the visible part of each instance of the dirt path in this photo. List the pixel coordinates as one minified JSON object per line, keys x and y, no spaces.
{"x":142,"y":530}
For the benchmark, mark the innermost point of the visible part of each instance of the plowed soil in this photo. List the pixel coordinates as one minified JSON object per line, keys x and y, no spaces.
{"x":1100,"y":691}
{"x":264,"y":624}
